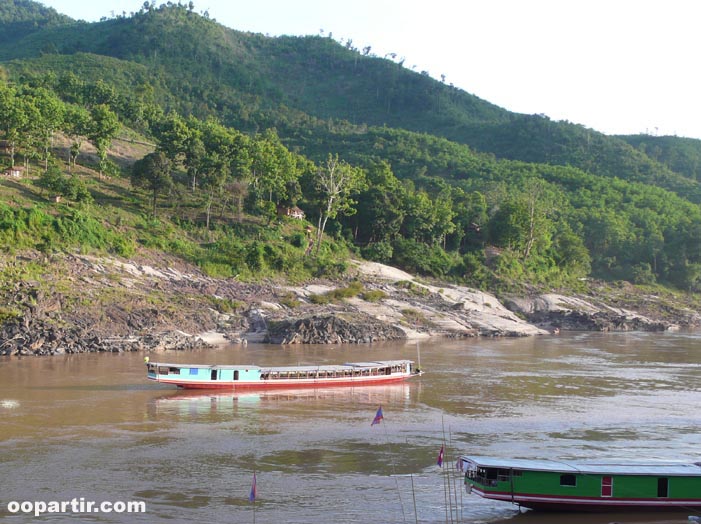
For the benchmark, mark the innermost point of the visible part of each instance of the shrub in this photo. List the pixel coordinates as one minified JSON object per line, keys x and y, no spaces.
{"x":217,"y":270}
{"x":324,"y":298}
{"x":373,"y":295}
{"x":420,"y":258}
{"x":290,"y":300}
{"x":254,"y":256}
{"x":352,"y":290}
{"x":298,"y":239}
{"x":642,"y":274}
{"x":225,"y":305}
{"x":273,"y":257}
{"x":378,"y":252}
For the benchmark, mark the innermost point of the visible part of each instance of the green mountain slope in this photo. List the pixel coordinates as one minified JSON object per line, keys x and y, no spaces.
{"x":314,"y":75}
{"x":20,"y":18}
{"x":451,"y":184}
{"x":682,"y":155}
{"x":254,"y":82}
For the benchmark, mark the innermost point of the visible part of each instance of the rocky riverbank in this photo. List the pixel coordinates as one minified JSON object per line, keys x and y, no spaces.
{"x":79,"y":303}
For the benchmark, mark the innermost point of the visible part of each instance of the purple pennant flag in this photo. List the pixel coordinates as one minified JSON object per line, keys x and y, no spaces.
{"x":440,"y":457}
{"x":254,"y":489}
{"x":378,"y":417}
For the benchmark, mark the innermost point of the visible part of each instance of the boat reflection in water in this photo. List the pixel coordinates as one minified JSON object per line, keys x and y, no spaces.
{"x":192,"y":402}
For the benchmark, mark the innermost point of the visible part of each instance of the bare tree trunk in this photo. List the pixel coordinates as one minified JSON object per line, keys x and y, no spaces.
{"x":531,"y":229}
{"x":155,"y":197}
{"x":320,"y":231}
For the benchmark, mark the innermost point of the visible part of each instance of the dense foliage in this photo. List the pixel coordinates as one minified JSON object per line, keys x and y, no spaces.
{"x":389,"y":163}
{"x":20,"y":18}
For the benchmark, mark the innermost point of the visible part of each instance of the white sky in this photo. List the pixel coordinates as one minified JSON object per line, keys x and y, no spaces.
{"x":617,"y":66}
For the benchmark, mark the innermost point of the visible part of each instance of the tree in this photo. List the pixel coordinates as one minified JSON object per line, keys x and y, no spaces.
{"x":195,"y":153}
{"x":522,"y":222}
{"x":273,"y":167}
{"x":336,"y":182}
{"x":380,"y":209}
{"x":215,"y":163}
{"x":76,"y":126}
{"x":570,"y":253}
{"x":99,"y":93}
{"x":153,"y":174}
{"x":101,"y":130}
{"x":51,"y":116}
{"x":215,"y":172}
{"x":172,"y":134}
{"x":14,"y":118}
{"x":241,"y":163}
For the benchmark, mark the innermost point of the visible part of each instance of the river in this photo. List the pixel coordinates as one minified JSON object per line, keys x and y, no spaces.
{"x":92,"y":427}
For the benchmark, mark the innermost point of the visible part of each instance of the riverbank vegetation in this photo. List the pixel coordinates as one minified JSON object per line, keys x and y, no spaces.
{"x":213,"y":145}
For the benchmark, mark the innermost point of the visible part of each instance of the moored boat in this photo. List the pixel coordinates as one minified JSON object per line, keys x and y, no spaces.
{"x":585,"y":486}
{"x":198,"y":376}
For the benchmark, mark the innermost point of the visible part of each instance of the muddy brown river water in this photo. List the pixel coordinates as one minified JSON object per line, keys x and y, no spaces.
{"x":92,"y":427}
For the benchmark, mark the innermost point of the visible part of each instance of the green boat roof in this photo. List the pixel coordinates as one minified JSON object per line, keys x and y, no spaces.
{"x":608,"y":466}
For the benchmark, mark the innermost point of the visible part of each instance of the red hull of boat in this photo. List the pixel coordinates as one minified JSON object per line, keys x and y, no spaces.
{"x":283,"y":384}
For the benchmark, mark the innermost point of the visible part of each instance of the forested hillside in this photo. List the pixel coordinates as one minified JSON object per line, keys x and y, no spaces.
{"x":21,"y":18}
{"x":385,"y":162}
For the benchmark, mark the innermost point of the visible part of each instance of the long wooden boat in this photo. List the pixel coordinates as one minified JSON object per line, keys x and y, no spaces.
{"x":585,"y":486}
{"x":197,"y":376}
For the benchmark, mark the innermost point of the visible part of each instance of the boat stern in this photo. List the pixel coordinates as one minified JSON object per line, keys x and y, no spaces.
{"x":151,"y":370}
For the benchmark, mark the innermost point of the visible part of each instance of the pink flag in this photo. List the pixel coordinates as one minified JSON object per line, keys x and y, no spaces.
{"x":440,"y":457}
{"x":378,"y":417}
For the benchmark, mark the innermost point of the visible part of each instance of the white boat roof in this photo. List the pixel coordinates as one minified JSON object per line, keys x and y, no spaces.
{"x":378,"y":363}
{"x":308,"y":367}
{"x":612,"y":466}
{"x":205,"y":366}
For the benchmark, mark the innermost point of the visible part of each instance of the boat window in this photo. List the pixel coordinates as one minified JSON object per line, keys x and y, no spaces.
{"x":174,"y":371}
{"x":162,"y":370}
{"x":504,"y":474}
{"x":568,"y":480}
{"x":663,"y":487}
{"x":193,"y":371}
{"x":236,"y":374}
{"x":214,"y":374}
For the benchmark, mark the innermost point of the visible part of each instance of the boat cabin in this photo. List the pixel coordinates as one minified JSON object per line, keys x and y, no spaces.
{"x":584,"y":486}
{"x":216,"y":376}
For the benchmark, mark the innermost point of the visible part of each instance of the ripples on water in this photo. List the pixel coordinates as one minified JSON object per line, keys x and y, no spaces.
{"x":91,"y":426}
